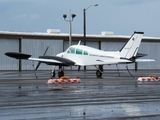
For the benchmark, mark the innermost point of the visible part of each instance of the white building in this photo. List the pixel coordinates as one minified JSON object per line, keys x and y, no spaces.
{"x":35,"y":43}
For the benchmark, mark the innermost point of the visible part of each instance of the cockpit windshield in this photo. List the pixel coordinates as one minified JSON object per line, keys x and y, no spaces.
{"x":71,"y":50}
{"x":78,"y":51}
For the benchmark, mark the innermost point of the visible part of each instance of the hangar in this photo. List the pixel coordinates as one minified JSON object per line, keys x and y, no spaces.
{"x":35,"y":43}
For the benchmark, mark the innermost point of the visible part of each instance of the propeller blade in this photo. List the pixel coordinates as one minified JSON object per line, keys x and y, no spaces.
{"x":46,"y":51}
{"x":39,"y":63}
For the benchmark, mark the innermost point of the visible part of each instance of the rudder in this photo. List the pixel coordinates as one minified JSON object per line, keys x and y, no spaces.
{"x":130,"y":49}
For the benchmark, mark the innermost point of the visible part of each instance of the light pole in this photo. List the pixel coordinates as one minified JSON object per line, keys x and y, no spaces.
{"x":72,"y":16}
{"x":84,"y":18}
{"x":84,"y":25}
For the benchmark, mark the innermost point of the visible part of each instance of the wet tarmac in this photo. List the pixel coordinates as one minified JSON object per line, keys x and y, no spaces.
{"x":110,"y":97}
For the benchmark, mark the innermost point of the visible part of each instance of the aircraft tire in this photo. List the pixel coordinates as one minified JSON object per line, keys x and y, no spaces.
{"x":98,"y":73}
{"x":60,"y":74}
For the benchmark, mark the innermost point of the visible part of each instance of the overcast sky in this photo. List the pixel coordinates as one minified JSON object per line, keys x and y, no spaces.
{"x":123,"y":17}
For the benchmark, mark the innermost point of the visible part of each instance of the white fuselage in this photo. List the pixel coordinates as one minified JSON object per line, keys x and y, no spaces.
{"x":84,"y":55}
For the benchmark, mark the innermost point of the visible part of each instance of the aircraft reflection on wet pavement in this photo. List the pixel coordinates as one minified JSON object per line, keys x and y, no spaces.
{"x":88,"y":100}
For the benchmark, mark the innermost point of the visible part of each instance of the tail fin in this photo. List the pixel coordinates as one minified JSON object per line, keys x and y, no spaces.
{"x":130,"y":49}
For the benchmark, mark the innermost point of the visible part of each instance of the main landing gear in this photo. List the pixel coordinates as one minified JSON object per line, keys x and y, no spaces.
{"x":60,"y":72}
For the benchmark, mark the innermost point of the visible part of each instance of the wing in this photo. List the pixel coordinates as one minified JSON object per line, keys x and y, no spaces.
{"x":49,"y":60}
{"x":114,"y":61}
{"x":106,"y":62}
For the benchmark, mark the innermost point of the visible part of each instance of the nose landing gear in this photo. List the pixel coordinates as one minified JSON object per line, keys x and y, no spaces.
{"x":99,"y":71}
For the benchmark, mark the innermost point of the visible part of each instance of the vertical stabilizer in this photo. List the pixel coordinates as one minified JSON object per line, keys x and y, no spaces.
{"x":130,"y":49}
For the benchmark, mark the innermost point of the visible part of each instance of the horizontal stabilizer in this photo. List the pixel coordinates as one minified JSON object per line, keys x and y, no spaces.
{"x":17,"y":55}
{"x":145,"y":60}
{"x":140,"y":55}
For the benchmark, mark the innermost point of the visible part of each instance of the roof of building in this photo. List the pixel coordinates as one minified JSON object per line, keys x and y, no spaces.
{"x":64,"y":36}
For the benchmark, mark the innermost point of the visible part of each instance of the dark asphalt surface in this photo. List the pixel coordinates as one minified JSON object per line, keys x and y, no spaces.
{"x":22,"y":96}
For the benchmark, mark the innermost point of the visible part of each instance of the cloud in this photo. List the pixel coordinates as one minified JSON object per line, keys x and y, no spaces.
{"x":22,"y":16}
{"x":119,"y":16}
{"x":26,"y":16}
{"x":33,"y":17}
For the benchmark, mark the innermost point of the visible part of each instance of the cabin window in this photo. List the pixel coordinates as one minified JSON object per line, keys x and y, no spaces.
{"x":79,"y":51}
{"x":76,"y":51}
{"x":85,"y":53}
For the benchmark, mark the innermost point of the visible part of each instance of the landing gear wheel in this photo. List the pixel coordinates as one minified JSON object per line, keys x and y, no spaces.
{"x":53,"y":74}
{"x":98,"y":73}
{"x":60,"y":74}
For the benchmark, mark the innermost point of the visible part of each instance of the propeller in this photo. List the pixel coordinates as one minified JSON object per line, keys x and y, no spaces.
{"x":39,"y":61}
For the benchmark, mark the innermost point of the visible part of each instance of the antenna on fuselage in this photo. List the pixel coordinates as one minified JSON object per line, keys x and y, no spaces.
{"x":79,"y":42}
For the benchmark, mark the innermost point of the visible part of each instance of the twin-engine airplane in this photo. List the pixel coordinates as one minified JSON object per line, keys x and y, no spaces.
{"x":80,"y":55}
